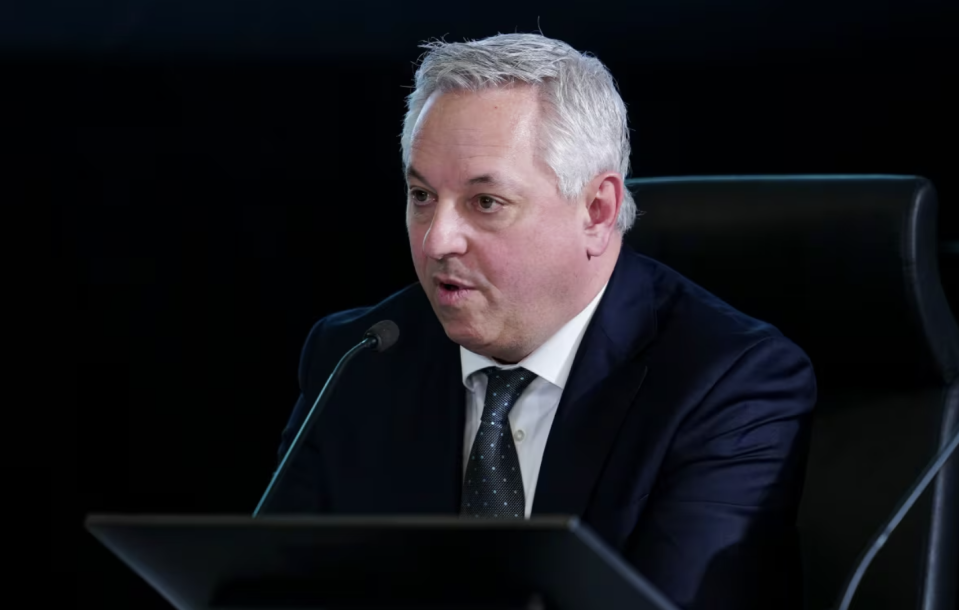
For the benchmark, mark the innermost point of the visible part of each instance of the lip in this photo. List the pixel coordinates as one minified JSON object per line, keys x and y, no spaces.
{"x":452,"y":298}
{"x":439,"y":280}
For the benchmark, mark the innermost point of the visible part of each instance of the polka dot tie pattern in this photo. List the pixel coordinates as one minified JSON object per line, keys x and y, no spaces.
{"x":493,"y":487}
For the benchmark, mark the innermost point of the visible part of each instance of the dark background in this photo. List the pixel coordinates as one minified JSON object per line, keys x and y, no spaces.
{"x":218,"y":175}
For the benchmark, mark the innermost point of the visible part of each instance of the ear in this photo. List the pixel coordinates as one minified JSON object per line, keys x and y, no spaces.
{"x":604,"y":196}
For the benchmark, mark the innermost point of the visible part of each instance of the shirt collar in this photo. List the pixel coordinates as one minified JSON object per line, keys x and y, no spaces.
{"x":552,"y":360}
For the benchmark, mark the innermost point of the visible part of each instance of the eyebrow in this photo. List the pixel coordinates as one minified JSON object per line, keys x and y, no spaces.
{"x":412,"y":173}
{"x":486,"y":179}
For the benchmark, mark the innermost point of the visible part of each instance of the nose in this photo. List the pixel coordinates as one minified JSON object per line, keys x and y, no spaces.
{"x":446,"y":234}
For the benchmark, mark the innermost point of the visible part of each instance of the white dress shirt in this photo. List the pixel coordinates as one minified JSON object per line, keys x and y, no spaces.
{"x":532,"y":416}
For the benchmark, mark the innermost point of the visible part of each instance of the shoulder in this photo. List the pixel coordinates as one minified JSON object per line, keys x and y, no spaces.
{"x":705,"y":337}
{"x":687,"y":311}
{"x":720,"y":367}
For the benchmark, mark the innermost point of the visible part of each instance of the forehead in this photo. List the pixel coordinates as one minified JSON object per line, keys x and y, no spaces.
{"x":458,"y":127}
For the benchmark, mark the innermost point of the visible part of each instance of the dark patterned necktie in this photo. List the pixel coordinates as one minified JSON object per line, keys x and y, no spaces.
{"x":493,"y":486}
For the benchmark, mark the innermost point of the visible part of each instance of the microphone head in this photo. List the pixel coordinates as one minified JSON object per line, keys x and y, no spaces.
{"x":385,"y":332}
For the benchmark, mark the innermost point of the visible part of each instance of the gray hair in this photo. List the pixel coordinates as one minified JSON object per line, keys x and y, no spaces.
{"x":584,"y":125}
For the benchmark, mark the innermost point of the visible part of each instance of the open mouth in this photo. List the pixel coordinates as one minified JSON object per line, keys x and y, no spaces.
{"x":449,"y":294}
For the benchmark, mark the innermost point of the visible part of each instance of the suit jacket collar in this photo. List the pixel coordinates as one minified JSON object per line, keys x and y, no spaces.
{"x":606,"y":375}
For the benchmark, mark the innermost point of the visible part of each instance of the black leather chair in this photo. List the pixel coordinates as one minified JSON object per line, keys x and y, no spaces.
{"x":845,"y":266}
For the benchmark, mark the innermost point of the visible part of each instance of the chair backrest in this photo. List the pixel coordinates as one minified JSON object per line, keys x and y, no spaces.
{"x":845,"y":266}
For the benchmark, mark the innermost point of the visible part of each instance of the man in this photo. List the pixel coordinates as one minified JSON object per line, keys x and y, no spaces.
{"x":545,"y":368}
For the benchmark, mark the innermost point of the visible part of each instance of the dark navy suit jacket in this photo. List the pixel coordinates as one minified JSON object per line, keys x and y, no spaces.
{"x":680,"y":438}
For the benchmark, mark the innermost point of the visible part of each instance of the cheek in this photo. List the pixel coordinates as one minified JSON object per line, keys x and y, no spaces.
{"x":415,"y":233}
{"x":543,"y":263}
{"x":511,"y":267}
{"x":416,"y":251}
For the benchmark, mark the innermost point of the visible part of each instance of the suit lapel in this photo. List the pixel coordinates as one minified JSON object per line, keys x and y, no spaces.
{"x":427,"y":427}
{"x":606,"y":375}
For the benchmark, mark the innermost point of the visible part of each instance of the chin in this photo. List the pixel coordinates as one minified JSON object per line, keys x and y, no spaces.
{"x":464,"y":335}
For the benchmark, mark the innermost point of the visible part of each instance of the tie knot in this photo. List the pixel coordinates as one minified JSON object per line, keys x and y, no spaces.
{"x":503,"y":387}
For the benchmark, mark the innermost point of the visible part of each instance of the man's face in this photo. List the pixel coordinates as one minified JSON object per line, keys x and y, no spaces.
{"x":496,"y":247}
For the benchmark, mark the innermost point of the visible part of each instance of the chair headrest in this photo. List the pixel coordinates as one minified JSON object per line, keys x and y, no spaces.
{"x":845,"y":266}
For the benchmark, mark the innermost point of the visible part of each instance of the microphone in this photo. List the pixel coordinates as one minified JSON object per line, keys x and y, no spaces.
{"x":879,"y":539}
{"x":383,"y":334}
{"x":380,"y":337}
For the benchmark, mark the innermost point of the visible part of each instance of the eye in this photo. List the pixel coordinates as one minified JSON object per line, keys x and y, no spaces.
{"x":419,"y":195}
{"x":486,"y":203}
